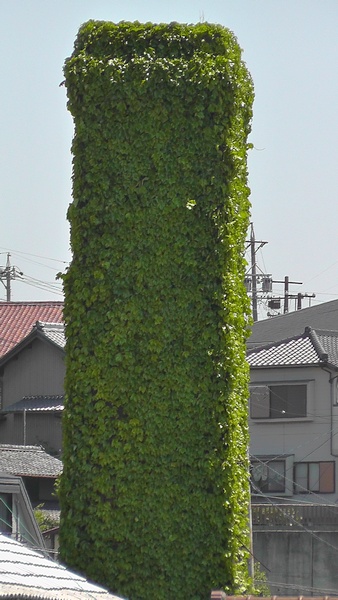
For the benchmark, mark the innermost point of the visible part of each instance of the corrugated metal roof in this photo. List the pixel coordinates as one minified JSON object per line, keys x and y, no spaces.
{"x":313,"y":347}
{"x":18,"y":318}
{"x":36,"y":404}
{"x":26,"y":574}
{"x":28,"y":461}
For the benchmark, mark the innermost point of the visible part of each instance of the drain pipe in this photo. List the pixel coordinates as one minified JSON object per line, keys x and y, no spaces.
{"x":333,"y":381}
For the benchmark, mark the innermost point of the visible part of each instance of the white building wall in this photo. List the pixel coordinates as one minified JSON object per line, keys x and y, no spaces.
{"x":312,"y":438}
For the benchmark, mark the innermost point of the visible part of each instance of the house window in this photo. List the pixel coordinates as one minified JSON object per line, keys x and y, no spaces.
{"x":286,"y":401}
{"x":268,"y":476}
{"x":316,"y":477}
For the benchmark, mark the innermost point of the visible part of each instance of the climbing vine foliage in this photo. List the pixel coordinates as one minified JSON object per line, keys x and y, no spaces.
{"x":154,"y":493}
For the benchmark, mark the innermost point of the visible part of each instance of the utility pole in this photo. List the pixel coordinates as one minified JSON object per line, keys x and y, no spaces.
{"x":253,"y":274}
{"x":8,"y":279}
{"x":259,"y":284}
{"x":286,"y":294}
{"x":254,"y":247}
{"x":6,"y":276}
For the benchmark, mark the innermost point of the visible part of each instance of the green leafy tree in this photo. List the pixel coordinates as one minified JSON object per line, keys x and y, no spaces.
{"x":155,"y":490}
{"x":44,"y":520}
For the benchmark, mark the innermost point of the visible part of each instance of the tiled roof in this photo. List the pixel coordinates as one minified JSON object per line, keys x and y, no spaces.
{"x":55,"y":332}
{"x":321,"y":316}
{"x":37,"y":404}
{"x":28,"y":461}
{"x":27,"y":574}
{"x":51,"y":332}
{"x":49,"y":512}
{"x":18,"y":318}
{"x":329,"y":342}
{"x":313,"y":347}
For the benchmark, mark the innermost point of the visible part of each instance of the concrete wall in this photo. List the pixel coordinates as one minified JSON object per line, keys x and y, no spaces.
{"x":298,"y":562}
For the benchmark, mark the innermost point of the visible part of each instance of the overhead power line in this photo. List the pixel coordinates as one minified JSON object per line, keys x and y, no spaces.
{"x":259,"y":284}
{"x":10,"y":273}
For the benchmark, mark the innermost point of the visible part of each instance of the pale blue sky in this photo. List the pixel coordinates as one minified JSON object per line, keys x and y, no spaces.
{"x":291,"y":50}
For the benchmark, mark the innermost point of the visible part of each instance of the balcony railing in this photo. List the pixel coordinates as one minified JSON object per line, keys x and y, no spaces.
{"x":294,"y":516}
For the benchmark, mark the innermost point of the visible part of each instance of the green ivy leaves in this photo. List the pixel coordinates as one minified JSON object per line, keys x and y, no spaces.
{"x":155,"y":488}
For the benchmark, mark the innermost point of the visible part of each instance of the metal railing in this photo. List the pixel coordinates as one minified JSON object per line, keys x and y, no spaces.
{"x":291,"y":515}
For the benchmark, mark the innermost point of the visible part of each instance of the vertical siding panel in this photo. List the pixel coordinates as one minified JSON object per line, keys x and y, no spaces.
{"x":37,"y":370}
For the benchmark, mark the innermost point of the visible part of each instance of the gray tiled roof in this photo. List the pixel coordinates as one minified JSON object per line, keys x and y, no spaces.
{"x":55,"y":332}
{"x":28,"y":461}
{"x":313,"y":347}
{"x":321,"y":316}
{"x":37,"y":404}
{"x":329,"y":342}
{"x":50,"y":513}
{"x":27,"y":574}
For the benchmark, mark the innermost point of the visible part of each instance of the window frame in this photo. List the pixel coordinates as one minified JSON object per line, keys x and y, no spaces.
{"x":269,"y":464}
{"x":287,"y":460}
{"x":285,"y":402}
{"x":262,"y":412}
{"x":321,"y":489}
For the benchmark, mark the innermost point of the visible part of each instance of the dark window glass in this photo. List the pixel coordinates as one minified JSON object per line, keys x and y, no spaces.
{"x":287,"y":401}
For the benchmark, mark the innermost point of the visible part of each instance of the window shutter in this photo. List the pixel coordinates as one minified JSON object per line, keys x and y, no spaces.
{"x":259,"y":402}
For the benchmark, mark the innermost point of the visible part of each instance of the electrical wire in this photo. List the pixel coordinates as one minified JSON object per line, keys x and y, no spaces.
{"x":310,"y":440}
{"x":281,"y":411}
{"x":308,"y":531}
{"x":290,"y":518}
{"x":54,"y":288}
{"x":287,"y":479}
{"x":290,"y":481}
{"x":329,"y":435}
{"x":300,"y":587}
{"x":19,"y":253}
{"x":35,"y":262}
